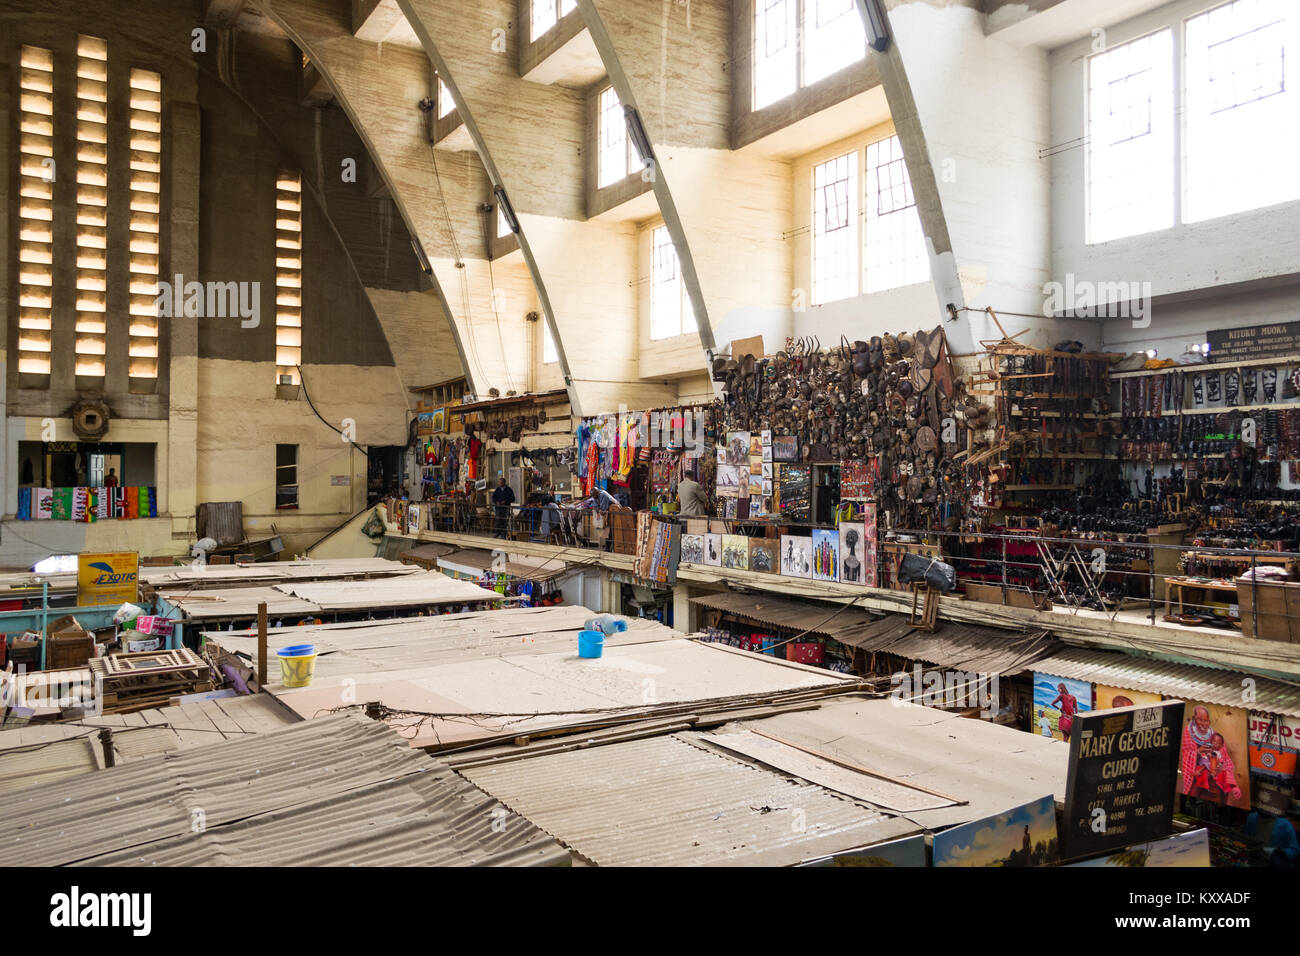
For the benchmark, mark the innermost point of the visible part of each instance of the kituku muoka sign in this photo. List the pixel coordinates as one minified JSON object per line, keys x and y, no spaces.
{"x":1121,"y":782}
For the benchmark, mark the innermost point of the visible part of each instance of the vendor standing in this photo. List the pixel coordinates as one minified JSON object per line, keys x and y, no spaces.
{"x":691,"y":498}
{"x":503,"y":496}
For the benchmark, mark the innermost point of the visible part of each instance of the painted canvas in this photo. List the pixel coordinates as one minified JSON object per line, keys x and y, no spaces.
{"x":1108,"y":698}
{"x":729,"y":479}
{"x":1056,"y":701}
{"x":909,"y":851}
{"x":852,"y":566}
{"x":713,"y":550}
{"x":785,"y":448}
{"x":796,"y":556}
{"x":1022,"y":836}
{"x":735,"y":552}
{"x":763,"y":555}
{"x":825,"y":555}
{"x":1214,"y":762}
{"x":737,"y":450}
{"x":692,"y":549}
{"x":1182,"y":849}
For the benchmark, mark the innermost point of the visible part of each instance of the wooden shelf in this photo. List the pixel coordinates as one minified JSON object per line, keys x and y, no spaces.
{"x":1207,"y":366}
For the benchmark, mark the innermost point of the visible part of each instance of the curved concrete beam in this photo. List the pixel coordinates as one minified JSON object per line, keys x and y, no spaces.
{"x":670,"y":62}
{"x":533,"y":150}
{"x":379,"y":88}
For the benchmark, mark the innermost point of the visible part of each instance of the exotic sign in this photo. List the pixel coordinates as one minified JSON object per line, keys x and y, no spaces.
{"x":108,"y":578}
{"x":1121,"y":782}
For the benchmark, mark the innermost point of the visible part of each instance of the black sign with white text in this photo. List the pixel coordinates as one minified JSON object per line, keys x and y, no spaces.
{"x":1121,"y":782}
{"x":1255,"y":341}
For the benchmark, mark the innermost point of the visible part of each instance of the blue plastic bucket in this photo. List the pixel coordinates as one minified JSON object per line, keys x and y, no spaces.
{"x":590,"y":643}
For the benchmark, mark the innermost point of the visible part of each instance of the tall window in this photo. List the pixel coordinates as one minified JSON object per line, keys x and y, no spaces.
{"x":446,"y":102}
{"x":894,"y":252}
{"x":146,"y":196}
{"x":833,"y":38}
{"x":671,"y":312}
{"x":546,"y":14}
{"x":1131,"y":138}
{"x":1242,"y":118}
{"x":92,"y":209}
{"x":835,"y":229}
{"x":286,"y":476}
{"x":36,"y":211}
{"x":615,"y":159}
{"x":549,"y":355}
{"x":503,"y":224}
{"x":288,"y":278}
{"x":787,"y":58}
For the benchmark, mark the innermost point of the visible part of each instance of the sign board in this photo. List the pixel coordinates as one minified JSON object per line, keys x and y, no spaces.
{"x":111,"y":577}
{"x":1123,"y":771}
{"x":1256,"y":341}
{"x":340,"y":480}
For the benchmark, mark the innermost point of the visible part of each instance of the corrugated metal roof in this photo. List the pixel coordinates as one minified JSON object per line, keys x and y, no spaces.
{"x":968,"y":647}
{"x":360,"y":647}
{"x":341,"y":790}
{"x":269,"y":572}
{"x":421,"y":588}
{"x":476,"y":560}
{"x":40,"y":752}
{"x":1183,"y":681}
{"x":667,"y":802}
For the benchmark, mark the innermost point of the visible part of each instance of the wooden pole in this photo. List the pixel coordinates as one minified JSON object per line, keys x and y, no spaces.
{"x":261,"y":644}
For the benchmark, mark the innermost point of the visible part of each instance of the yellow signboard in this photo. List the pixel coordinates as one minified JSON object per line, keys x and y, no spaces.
{"x":111,"y":577}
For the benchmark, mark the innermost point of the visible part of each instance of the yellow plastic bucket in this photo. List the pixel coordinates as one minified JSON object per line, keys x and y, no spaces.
{"x":297,"y":664}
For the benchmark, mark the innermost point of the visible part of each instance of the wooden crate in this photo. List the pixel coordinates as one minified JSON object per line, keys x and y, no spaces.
{"x":1269,"y":612}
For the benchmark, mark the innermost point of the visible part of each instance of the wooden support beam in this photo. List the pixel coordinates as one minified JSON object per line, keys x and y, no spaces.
{"x":222,"y":13}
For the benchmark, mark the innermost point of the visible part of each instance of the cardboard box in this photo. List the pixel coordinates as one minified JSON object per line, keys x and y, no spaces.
{"x":153,"y":625}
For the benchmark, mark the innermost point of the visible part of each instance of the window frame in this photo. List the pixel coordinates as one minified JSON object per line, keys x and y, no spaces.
{"x":797,"y":19}
{"x":853,"y":216}
{"x":294,"y":484}
{"x":685,"y":309}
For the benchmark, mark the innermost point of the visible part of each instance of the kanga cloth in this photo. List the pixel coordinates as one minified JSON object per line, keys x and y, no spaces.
{"x":132,"y":502}
{"x":101,"y":503}
{"x":116,"y":502}
{"x":62,"y":510}
{"x":43,"y":503}
{"x":24,"y":504}
{"x":148,"y":502}
{"x":80,"y":501}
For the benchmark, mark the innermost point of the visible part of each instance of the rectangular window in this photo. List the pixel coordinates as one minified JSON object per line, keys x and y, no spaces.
{"x":1242,"y":117}
{"x":286,"y":476}
{"x":446,"y":102}
{"x":615,"y":158}
{"x":288,"y":278}
{"x":92,"y":207}
{"x":833,"y":38}
{"x":1131,"y":138}
{"x":35,"y":211}
{"x":671,"y":312}
{"x":549,"y":355}
{"x":546,"y":14}
{"x":894,"y":252}
{"x":776,"y":51}
{"x":146,"y":193}
{"x":835,"y":229}
{"x":503,"y":225}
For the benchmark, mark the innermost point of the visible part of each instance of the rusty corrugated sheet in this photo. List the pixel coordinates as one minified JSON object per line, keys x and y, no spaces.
{"x":1170,"y":679}
{"x":222,"y":520}
{"x":968,"y":647}
{"x":340,"y":790}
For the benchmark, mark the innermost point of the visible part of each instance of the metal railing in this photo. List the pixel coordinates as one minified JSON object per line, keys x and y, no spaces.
{"x":1091,"y":571}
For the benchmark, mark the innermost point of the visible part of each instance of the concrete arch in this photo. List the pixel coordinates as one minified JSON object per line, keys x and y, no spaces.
{"x":378,"y":86}
{"x":583,"y":269}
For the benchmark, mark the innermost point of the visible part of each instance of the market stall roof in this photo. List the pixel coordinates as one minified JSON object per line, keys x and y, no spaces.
{"x":426,"y":555}
{"x":1184,"y":681}
{"x":667,"y":801}
{"x":312,"y":598}
{"x":969,"y":647}
{"x":986,"y":766}
{"x":532,"y":398}
{"x":342,"y":791}
{"x":861,"y":770}
{"x":270,"y":572}
{"x":478,"y":560}
{"x":42,"y":752}
{"x":366,"y":647}
{"x":508,"y":695}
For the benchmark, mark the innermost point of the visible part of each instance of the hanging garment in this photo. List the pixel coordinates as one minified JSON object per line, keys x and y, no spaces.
{"x":43,"y":507}
{"x":80,"y":500}
{"x":24,"y":512}
{"x":589,"y":479}
{"x":132,"y":502}
{"x":62,"y":504}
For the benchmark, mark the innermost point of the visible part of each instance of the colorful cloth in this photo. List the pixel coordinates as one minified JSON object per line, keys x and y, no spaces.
{"x":43,"y":503}
{"x":62,"y":509}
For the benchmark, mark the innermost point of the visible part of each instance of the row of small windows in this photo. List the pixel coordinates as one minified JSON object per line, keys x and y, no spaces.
{"x":1227,"y":134}
{"x":39,"y":129}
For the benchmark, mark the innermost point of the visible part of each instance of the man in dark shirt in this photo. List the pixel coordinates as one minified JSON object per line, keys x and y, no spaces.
{"x":503,"y":496}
